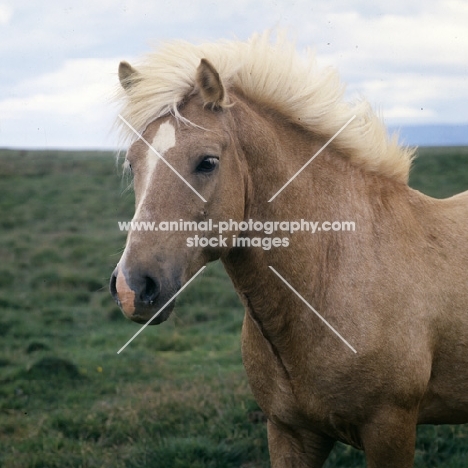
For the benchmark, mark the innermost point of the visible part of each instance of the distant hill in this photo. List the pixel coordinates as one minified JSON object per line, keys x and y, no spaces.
{"x":432,"y":135}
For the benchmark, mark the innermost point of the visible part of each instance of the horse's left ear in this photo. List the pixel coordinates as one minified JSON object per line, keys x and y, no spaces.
{"x":210,"y":86}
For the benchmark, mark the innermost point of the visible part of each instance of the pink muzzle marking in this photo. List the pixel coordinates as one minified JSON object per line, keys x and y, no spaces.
{"x":126,"y":295}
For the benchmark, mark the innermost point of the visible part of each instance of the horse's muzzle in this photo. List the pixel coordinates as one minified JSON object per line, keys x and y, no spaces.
{"x":139,"y":297}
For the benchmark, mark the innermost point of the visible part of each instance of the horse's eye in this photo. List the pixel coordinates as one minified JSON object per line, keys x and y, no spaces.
{"x":208,"y":164}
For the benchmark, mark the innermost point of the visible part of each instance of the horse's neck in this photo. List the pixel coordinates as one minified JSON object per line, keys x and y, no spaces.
{"x":329,"y":189}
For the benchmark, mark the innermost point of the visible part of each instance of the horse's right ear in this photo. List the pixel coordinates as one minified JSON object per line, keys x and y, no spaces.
{"x":128,"y":76}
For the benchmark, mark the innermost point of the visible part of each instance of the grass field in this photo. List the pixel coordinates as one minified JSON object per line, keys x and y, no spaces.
{"x":177,"y":396}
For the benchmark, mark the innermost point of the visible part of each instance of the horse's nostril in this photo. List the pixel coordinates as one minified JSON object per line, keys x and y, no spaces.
{"x":151,"y":291}
{"x":113,"y":286}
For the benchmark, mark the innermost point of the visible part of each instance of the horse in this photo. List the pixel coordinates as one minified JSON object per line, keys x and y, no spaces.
{"x":226,"y":131}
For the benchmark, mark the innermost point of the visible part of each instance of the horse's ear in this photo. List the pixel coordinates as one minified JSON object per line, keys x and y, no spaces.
{"x":210,"y":86}
{"x":128,"y":76}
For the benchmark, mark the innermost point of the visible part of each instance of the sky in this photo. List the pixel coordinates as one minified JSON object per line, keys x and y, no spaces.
{"x":59,"y":59}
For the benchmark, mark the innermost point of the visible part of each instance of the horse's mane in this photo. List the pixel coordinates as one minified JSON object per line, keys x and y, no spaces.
{"x":275,"y":75}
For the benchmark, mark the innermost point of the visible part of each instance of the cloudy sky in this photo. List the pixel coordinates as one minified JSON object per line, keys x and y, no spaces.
{"x":409,"y":58}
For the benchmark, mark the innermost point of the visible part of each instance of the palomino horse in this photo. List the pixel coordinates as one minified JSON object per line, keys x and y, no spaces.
{"x":237,"y":120}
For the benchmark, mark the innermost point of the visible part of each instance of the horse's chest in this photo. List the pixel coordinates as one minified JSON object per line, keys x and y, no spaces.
{"x":268,"y":376}
{"x":290,"y":393}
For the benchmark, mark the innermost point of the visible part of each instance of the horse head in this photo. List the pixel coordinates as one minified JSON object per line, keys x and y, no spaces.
{"x":186,"y":168}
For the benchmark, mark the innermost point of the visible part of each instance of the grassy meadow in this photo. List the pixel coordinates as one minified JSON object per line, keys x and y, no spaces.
{"x":177,"y":396}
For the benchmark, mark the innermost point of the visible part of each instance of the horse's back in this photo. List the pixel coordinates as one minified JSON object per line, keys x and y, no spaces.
{"x":458,"y":202}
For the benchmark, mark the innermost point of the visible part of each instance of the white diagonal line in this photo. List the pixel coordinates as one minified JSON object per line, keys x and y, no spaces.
{"x":312,"y":158}
{"x":312,"y":309}
{"x":159,"y":311}
{"x":159,"y":156}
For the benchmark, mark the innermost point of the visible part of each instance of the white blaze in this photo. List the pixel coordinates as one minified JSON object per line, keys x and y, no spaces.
{"x":163,"y":141}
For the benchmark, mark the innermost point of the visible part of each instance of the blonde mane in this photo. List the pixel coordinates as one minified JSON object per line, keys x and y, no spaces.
{"x":273,"y":74}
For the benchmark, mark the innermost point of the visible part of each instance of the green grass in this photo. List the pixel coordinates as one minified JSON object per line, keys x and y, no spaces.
{"x":178,"y":395}
{"x":440,"y":172}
